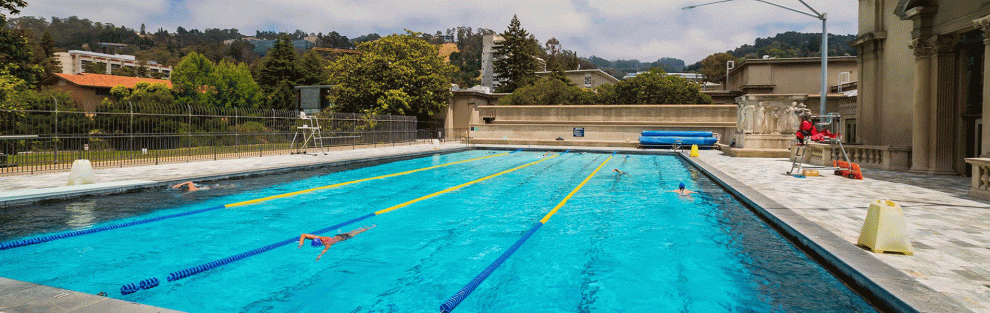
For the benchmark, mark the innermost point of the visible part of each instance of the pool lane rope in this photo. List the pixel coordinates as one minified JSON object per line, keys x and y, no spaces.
{"x":452,"y":303}
{"x":147,"y":283}
{"x":37,"y":240}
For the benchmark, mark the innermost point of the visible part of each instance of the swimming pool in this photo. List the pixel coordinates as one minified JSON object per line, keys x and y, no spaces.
{"x":621,"y":244}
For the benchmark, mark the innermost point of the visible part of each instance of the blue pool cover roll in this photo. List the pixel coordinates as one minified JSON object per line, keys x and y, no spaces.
{"x":460,"y":295}
{"x":676,"y":133}
{"x":31,"y":241}
{"x":653,"y":140}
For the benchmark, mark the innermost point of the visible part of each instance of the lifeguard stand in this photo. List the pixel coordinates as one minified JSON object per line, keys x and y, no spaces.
{"x":308,"y":135}
{"x":830,"y":122}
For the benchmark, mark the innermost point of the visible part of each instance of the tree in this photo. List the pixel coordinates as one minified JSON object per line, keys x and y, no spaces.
{"x":15,"y":56}
{"x":142,"y":69}
{"x":713,"y":66}
{"x":549,"y":91}
{"x":515,"y":61}
{"x":653,"y":87}
{"x":233,"y":86}
{"x":278,"y":70}
{"x":313,"y":69}
{"x":142,"y":29}
{"x":189,"y":78}
{"x":9,"y":86}
{"x":398,"y":74}
{"x":10,"y":5}
{"x":95,"y":68}
{"x":123,"y":71}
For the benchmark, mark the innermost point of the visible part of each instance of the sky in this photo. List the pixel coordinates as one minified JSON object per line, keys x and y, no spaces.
{"x":643,"y":30}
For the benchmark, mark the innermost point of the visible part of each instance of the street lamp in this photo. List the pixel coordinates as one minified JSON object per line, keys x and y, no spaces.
{"x":821,"y":16}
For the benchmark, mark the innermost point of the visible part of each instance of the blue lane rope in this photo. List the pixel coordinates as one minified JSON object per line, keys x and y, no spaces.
{"x":180,"y":274}
{"x":454,"y":301}
{"x":31,"y":241}
{"x":460,"y":295}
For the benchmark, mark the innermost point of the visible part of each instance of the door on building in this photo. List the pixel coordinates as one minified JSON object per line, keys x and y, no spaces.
{"x":971,"y":49}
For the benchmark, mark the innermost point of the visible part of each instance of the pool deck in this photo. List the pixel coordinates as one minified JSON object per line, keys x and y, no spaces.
{"x":949,"y":270}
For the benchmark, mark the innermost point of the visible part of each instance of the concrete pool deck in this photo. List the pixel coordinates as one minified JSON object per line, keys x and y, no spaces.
{"x":947,"y":228}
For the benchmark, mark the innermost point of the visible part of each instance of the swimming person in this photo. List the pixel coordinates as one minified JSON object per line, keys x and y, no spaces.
{"x":189,"y":187}
{"x":326,"y":242}
{"x":620,"y":172}
{"x":548,"y":153}
{"x":681,"y":191}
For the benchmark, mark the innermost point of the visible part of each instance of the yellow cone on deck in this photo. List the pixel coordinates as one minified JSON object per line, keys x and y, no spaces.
{"x":694,"y":150}
{"x":884,"y":229}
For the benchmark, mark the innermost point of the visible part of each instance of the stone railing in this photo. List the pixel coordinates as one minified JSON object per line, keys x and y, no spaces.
{"x":981,"y":178}
{"x":878,"y":157}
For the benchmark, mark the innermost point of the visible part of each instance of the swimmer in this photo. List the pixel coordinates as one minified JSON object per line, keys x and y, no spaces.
{"x":189,"y":187}
{"x":326,"y":242}
{"x":620,"y":172}
{"x":681,"y":191}
{"x":548,"y":153}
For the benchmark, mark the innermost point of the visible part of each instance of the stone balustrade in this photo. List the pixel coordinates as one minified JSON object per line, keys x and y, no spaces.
{"x":878,"y":157}
{"x":981,"y":177}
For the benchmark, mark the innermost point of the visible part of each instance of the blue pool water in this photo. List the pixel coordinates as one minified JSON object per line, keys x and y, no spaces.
{"x":621,"y":244}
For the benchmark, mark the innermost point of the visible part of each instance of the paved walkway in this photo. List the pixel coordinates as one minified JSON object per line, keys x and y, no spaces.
{"x":949,"y":230}
{"x":196,"y":169}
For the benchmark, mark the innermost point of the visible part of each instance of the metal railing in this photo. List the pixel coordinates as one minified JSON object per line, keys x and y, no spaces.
{"x":50,"y":136}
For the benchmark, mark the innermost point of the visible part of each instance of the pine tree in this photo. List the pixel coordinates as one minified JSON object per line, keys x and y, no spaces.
{"x":515,"y":61}
{"x":278,"y":72}
{"x":313,"y":69}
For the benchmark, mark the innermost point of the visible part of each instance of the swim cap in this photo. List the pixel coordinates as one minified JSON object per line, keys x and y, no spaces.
{"x":681,"y":186}
{"x":316,"y":242}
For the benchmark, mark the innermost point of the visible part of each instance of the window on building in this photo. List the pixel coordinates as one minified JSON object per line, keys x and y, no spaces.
{"x":850,"y":134}
{"x":587,"y":80}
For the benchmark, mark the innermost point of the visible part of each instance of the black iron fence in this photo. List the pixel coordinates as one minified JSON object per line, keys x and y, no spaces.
{"x":51,"y":137}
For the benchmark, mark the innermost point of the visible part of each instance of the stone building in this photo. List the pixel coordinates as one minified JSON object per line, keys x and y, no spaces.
{"x":923,"y":82}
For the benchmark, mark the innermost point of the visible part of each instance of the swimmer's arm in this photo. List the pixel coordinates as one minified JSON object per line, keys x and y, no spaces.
{"x":325,"y":248}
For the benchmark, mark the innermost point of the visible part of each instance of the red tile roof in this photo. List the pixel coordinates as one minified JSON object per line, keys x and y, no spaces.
{"x":100,"y":80}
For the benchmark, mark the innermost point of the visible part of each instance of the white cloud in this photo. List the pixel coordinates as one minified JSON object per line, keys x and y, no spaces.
{"x":644,"y":30}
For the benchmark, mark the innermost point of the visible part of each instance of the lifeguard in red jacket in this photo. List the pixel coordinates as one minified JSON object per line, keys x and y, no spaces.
{"x":807,"y":129}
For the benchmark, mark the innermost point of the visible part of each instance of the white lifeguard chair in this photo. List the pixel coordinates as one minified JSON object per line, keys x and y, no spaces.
{"x":307,"y":136}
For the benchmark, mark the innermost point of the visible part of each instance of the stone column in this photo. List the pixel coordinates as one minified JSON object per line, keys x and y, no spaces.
{"x":944,"y":100}
{"x":984,"y":25}
{"x":923,"y":52}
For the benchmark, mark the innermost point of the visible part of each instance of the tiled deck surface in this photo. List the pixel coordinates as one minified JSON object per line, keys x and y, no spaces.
{"x":949,"y":230}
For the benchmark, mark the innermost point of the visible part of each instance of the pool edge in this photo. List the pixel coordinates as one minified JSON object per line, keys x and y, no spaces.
{"x":896,"y":290}
{"x":41,"y":298}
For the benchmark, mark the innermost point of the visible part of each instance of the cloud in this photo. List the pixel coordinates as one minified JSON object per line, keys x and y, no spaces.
{"x":644,"y":30}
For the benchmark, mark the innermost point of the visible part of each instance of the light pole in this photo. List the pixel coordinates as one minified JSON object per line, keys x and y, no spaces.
{"x":821,"y":16}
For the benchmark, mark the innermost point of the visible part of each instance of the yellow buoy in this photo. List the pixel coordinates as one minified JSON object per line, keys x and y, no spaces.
{"x":884,"y":229}
{"x":694,"y":150}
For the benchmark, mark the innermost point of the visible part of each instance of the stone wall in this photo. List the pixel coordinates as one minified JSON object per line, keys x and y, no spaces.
{"x":603,"y":124}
